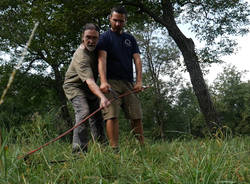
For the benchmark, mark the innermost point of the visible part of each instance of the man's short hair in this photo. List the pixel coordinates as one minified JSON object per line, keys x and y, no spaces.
{"x":90,"y":26}
{"x":119,"y":9}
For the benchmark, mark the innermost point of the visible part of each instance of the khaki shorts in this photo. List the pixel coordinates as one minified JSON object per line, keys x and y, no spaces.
{"x":130,"y":104}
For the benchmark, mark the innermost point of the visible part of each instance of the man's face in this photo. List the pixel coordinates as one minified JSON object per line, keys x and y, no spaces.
{"x":117,"y":21}
{"x":90,"y":39}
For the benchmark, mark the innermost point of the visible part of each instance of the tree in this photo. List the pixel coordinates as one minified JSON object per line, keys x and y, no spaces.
{"x":232,"y":97}
{"x":211,"y":21}
{"x":188,"y":112}
{"x":18,"y":18}
{"x":57,"y":36}
{"x":159,"y":60}
{"x":28,"y":95}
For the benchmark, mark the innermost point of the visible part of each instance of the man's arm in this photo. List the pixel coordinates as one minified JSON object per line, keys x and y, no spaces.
{"x":96,"y":90}
{"x":102,"y":68}
{"x":138,"y":68}
{"x":84,"y":71}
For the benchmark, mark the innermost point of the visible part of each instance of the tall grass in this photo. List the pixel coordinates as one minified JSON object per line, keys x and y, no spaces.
{"x":178,"y":162}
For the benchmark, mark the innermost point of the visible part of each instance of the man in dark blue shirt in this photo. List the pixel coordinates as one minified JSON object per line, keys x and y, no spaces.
{"x":117,"y":51}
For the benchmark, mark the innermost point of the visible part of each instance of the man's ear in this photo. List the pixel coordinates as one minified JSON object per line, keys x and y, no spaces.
{"x":82,"y":36}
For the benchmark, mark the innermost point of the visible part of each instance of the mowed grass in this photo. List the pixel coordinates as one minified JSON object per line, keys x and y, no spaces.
{"x":183,"y":161}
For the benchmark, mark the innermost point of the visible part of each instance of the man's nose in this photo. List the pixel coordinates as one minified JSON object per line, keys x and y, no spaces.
{"x":118,"y":23}
{"x":91,"y":41}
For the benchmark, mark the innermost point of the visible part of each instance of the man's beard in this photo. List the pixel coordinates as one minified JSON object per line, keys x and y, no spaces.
{"x":117,"y":29}
{"x":90,"y":48}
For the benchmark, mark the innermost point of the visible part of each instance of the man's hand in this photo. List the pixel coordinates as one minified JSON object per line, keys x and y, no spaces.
{"x":138,"y":86}
{"x":104,"y":102}
{"x":105,"y":87}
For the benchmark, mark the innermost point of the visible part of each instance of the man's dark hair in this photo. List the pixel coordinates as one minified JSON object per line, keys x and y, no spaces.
{"x":90,"y":26}
{"x":120,"y":10}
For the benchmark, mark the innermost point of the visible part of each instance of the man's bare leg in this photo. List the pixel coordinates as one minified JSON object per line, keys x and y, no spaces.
{"x":112,"y":128}
{"x":137,"y":128}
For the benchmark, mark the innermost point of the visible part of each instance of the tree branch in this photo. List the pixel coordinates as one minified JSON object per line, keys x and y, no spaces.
{"x":30,"y":64}
{"x":146,"y":10}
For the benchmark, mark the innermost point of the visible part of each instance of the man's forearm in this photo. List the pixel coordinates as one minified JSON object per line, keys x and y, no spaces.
{"x":102,"y":70}
{"x":138,"y":67}
{"x":138,"y":74}
{"x":104,"y":102}
{"x":94,"y":88}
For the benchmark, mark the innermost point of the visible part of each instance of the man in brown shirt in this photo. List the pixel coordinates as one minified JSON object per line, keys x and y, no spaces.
{"x":81,"y":89}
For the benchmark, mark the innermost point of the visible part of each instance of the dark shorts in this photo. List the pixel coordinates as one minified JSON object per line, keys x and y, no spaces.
{"x":130,"y":104}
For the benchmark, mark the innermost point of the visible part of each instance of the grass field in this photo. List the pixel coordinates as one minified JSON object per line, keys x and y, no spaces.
{"x":186,"y":161}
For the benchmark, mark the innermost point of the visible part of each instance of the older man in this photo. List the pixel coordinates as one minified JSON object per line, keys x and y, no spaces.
{"x":81,"y":89}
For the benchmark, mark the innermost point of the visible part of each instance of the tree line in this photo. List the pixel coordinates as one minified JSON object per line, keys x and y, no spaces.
{"x":170,"y":107}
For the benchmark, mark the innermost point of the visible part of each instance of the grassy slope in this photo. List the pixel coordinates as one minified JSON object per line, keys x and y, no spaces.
{"x":190,"y":161}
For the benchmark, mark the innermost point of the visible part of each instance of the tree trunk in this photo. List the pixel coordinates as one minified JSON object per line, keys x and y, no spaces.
{"x":187,"y":48}
{"x":161,"y":126}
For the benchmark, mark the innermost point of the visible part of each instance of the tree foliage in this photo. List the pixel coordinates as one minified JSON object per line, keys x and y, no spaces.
{"x":28,"y":95}
{"x":58,"y":35}
{"x":232,"y":97}
{"x":215,"y":22}
{"x":159,"y":60}
{"x":212,"y":22}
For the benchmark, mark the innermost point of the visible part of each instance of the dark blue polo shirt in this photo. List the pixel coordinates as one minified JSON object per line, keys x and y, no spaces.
{"x":120,"y":49}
